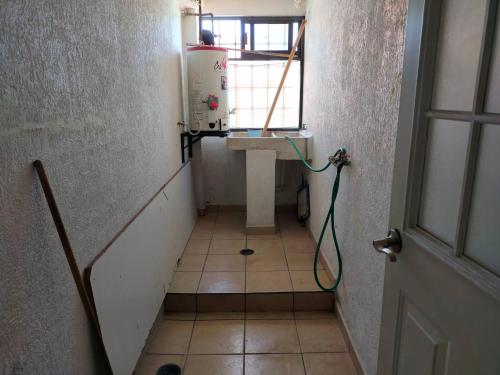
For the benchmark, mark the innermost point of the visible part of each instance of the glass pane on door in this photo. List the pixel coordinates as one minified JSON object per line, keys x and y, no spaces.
{"x":483,"y":237}
{"x":457,"y":56}
{"x":443,"y":177}
{"x":493,"y":93}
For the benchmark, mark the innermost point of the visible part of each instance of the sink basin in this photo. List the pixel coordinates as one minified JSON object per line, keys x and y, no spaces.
{"x":275,"y":141}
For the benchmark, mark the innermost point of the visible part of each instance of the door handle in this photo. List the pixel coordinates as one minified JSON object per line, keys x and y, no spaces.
{"x":390,"y":246}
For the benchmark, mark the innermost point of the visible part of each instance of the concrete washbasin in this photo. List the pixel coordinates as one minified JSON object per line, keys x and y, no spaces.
{"x":275,"y":141}
{"x":261,"y":155}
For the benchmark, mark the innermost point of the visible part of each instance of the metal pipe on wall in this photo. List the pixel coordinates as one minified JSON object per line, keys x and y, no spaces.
{"x":198,"y":181}
{"x":199,"y":22}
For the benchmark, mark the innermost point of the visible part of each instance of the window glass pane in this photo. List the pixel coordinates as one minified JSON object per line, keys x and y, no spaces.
{"x":260,"y":76}
{"x":243,"y":117}
{"x":253,"y":91}
{"x":275,"y":73}
{"x":271,"y":37}
{"x":458,"y":54}
{"x":259,"y":117}
{"x":231,"y":76}
{"x":260,"y":98}
{"x":248,"y":36}
{"x":278,"y":36}
{"x":483,"y":237}
{"x":231,"y":103}
{"x":207,"y":24}
{"x":244,"y":98}
{"x":227,"y":34}
{"x":261,"y":34}
{"x":243,"y":76}
{"x":295,"y":31}
{"x":292,"y":96}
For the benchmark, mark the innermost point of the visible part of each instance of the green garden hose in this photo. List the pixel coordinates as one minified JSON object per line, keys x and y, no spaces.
{"x":339,"y":159}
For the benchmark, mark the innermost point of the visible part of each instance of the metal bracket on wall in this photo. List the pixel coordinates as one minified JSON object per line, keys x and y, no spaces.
{"x":188,"y":140}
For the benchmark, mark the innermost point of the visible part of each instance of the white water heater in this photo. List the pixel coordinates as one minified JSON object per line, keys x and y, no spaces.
{"x":208,"y":88}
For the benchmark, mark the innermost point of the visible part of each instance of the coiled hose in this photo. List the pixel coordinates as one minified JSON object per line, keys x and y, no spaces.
{"x":339,"y":159}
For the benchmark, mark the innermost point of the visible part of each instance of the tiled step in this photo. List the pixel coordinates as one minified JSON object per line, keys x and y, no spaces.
{"x":212,"y":275}
{"x":228,"y":280}
{"x":249,"y":302}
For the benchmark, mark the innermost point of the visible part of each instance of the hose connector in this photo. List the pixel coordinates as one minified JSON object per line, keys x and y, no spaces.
{"x":340,"y":158}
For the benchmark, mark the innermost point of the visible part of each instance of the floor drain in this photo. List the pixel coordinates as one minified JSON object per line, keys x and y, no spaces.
{"x":169,"y":369}
{"x":246,"y":252}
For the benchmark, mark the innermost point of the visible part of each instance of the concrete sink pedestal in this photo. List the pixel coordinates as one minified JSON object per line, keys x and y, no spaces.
{"x":261,"y":156}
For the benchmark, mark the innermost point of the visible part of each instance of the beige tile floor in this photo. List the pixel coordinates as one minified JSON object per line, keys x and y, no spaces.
{"x":211,"y":263}
{"x":300,"y":343}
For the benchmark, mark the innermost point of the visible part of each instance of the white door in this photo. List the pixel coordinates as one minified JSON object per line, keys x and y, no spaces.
{"x":441,"y":307}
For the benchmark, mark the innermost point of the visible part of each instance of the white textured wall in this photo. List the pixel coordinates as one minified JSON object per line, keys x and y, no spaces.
{"x":224,"y":173}
{"x":352,"y":82}
{"x":254,"y":7}
{"x":92,"y":89}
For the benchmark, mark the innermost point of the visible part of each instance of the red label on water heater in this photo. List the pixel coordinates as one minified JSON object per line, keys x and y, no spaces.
{"x":221,"y":65}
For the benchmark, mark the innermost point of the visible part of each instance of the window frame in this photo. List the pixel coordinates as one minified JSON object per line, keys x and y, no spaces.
{"x":252,"y":20}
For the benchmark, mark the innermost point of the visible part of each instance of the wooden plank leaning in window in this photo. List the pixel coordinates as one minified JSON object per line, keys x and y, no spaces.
{"x":283,"y":77}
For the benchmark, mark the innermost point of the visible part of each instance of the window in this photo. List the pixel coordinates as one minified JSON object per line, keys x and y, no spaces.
{"x":254,"y":78}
